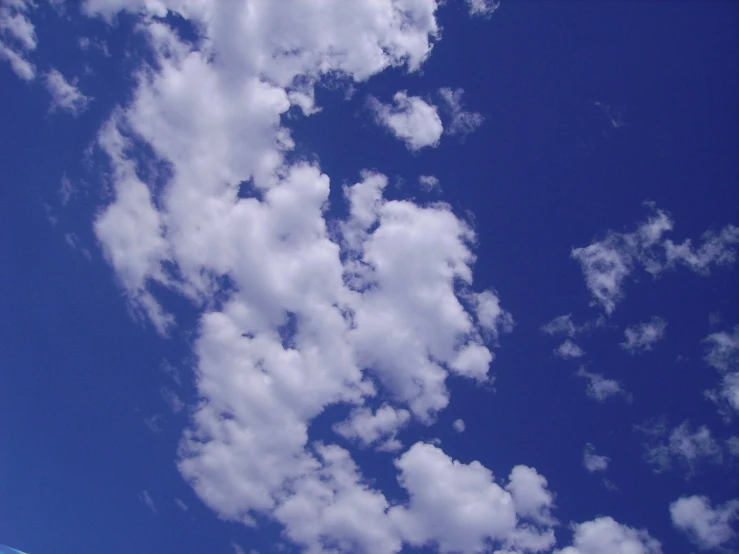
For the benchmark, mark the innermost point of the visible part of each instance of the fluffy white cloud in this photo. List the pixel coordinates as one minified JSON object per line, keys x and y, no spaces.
{"x":687,"y":447}
{"x":482,"y":7}
{"x":608,"y":262}
{"x":17,"y":37}
{"x":411,"y":119}
{"x":600,"y":388}
{"x":723,"y":354}
{"x":462,"y":122}
{"x":592,"y":461}
{"x":641,"y":337}
{"x":707,"y":527}
{"x":605,"y":535}
{"x":459,"y":507}
{"x":368,"y":427}
{"x":295,"y":307}
{"x":64,"y":95}
{"x":569,"y":350}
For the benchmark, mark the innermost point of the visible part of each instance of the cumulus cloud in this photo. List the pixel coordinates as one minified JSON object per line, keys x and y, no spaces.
{"x":569,"y":350}
{"x":605,"y":535}
{"x":482,"y":7}
{"x":600,"y":388}
{"x":607,"y":263}
{"x":442,"y":492}
{"x":462,"y":122}
{"x":592,"y":461}
{"x":722,"y":353}
{"x":410,"y":119}
{"x":684,"y":447}
{"x":641,"y":337}
{"x":295,"y":306}
{"x":17,"y":37}
{"x":64,"y":95}
{"x":369,"y":427}
{"x":459,"y":425}
{"x":708,"y":528}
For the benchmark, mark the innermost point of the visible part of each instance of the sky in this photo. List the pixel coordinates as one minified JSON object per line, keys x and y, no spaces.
{"x":370,"y":277}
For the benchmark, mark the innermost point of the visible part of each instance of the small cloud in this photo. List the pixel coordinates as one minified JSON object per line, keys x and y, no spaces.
{"x":411,"y":120}
{"x":462,"y":122}
{"x":181,"y":505}
{"x":237,"y":548}
{"x":592,"y":461}
{"x":708,"y":528}
{"x":171,"y":371}
{"x":482,"y":8}
{"x":75,"y":243}
{"x":569,"y":350}
{"x":641,"y":337}
{"x":65,"y":95}
{"x":459,"y":425}
{"x":428,"y":183}
{"x":66,"y":190}
{"x":600,"y":388}
{"x":145,"y":498}
{"x":561,"y":325}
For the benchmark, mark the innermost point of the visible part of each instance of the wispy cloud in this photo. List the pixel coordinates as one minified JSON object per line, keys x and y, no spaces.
{"x":65,"y":95}
{"x":592,"y":461}
{"x":707,"y":527}
{"x":601,"y":388}
{"x":145,"y":498}
{"x":462,"y":122}
{"x":641,"y":337}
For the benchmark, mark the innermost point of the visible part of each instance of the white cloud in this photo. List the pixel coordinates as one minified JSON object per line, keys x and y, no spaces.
{"x":368,"y":427}
{"x":569,"y":350}
{"x":181,"y":505}
{"x":462,"y":122}
{"x":708,"y":528}
{"x":302,"y":322}
{"x":641,"y":337}
{"x":411,"y":120}
{"x":604,"y":535}
{"x":722,"y":353}
{"x":145,"y":498}
{"x":428,"y":183}
{"x":237,"y":548}
{"x":17,"y":37}
{"x":459,"y":425}
{"x":482,"y":7}
{"x":687,"y":447}
{"x":443,"y":493}
{"x":592,"y":461}
{"x":600,"y":388}
{"x":65,"y":95}
{"x":608,"y":262}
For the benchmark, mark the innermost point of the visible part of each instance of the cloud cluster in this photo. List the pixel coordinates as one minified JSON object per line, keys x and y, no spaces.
{"x":607,"y":263}
{"x":296,"y":307}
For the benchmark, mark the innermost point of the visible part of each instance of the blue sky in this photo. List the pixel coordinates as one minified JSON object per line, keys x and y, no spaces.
{"x":388,"y":276}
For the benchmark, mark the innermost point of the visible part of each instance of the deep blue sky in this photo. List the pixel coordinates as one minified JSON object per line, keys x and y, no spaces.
{"x":546,"y":172}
